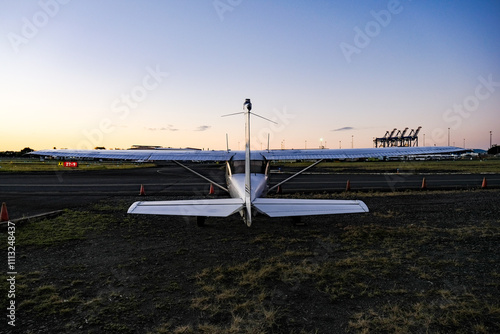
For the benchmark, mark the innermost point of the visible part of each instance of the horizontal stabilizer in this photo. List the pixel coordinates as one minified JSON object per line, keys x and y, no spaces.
{"x":282,"y":207}
{"x":222,"y":207}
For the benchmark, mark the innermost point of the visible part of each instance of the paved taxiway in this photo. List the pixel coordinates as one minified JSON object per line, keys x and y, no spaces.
{"x":33,"y":193}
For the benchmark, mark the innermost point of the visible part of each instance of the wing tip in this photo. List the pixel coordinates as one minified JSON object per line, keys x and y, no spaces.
{"x":132,"y":207}
{"x":363,"y":206}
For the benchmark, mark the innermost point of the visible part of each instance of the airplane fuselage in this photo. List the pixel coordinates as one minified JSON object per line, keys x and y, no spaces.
{"x":236,"y":185}
{"x":247,"y":180}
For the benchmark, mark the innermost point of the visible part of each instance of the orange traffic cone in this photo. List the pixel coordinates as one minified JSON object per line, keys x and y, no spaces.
{"x":212,"y":190}
{"x":4,"y":215}
{"x":142,"y":192}
{"x":348,"y":185}
{"x":484,"y":183}
{"x":424,"y":184}
{"x":279,"y":190}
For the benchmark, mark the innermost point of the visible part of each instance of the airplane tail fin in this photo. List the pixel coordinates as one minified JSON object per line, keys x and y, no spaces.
{"x":247,"y":106}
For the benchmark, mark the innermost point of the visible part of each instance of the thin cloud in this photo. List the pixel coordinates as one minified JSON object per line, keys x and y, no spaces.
{"x":203,"y":128}
{"x":168,"y":128}
{"x":345,"y":128}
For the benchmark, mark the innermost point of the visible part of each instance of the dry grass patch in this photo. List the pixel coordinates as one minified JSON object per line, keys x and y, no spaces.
{"x":445,"y":312}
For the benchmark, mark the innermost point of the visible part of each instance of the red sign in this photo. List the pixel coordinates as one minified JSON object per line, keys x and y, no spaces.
{"x":70,"y":164}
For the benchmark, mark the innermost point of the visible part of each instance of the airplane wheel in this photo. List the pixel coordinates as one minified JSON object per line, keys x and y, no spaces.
{"x":200,"y":221}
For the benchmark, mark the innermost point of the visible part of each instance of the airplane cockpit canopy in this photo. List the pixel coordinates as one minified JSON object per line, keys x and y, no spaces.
{"x":256,"y":166}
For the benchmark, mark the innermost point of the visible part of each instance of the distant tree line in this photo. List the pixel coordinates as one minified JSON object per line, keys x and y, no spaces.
{"x":12,"y":154}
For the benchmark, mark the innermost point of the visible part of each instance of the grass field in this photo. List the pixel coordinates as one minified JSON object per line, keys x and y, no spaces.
{"x":35,"y":165}
{"x":419,"y":262}
{"x":459,"y":166}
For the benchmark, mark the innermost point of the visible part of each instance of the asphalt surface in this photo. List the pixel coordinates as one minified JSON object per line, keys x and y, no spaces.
{"x":29,"y":193}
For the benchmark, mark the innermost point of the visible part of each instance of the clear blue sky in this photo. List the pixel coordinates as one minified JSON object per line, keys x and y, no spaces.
{"x":79,"y":74}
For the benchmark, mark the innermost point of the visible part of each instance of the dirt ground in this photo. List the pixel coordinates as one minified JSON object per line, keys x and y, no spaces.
{"x":417,"y":262}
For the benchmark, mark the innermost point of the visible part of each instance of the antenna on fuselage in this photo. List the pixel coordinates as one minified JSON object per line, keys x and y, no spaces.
{"x":247,"y":106}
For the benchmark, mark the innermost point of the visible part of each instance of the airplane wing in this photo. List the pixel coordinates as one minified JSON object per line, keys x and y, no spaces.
{"x":197,"y":155}
{"x":222,"y":207}
{"x":357,"y":152}
{"x":282,"y":207}
{"x":142,"y":155}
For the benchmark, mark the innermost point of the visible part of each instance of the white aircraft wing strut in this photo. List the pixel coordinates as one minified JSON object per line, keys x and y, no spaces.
{"x":282,"y":207}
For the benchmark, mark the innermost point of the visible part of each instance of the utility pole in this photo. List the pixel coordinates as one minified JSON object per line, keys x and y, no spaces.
{"x":490,"y":141}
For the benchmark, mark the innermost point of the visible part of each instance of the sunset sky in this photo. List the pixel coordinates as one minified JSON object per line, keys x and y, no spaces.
{"x":79,"y":74}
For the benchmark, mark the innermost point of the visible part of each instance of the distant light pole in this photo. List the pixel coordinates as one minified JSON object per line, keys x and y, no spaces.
{"x":490,"y":141}
{"x":340,"y":143}
{"x":352,"y":141}
{"x":448,"y":136}
{"x":305,"y":144}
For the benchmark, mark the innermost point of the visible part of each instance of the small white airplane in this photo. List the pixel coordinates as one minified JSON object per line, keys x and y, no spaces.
{"x":246,"y":178}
